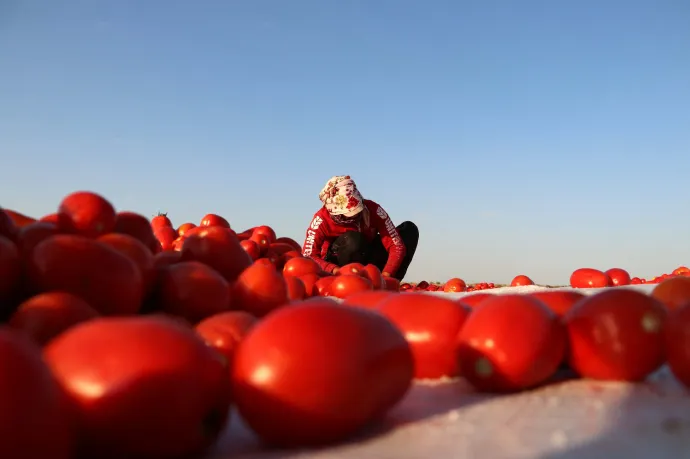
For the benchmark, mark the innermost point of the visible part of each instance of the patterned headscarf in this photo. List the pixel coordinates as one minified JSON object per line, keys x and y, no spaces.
{"x":341,"y":197}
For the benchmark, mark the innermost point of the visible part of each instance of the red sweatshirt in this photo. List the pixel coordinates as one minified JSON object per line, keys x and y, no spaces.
{"x":323,"y":231}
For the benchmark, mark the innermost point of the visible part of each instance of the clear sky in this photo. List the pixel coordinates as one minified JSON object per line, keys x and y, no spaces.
{"x":522,"y":136}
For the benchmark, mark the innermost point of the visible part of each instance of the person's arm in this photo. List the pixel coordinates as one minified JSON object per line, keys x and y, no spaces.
{"x":313,"y":243}
{"x":391,"y":241}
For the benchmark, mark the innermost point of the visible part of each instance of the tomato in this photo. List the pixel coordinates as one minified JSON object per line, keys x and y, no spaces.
{"x":352,"y":268}
{"x":50,"y":218}
{"x":510,"y":343}
{"x":291,"y":254}
{"x":475,"y":299}
{"x":261,"y":241}
{"x":618,"y":276}
{"x":674,"y":292}
{"x":108,"y":280}
{"x":616,"y":335}
{"x":423,"y":285}
{"x":166,"y":235}
{"x":164,"y":259}
{"x":323,"y":285}
{"x":309,"y":280}
{"x":295,"y":287}
{"x":344,"y":285}
{"x":224,"y":331}
{"x":521,"y":280}
{"x":86,"y":213}
{"x":192,"y":290}
{"x":136,"y":251}
{"x":391,"y":284}
{"x":177,"y":244}
{"x":559,"y":301}
{"x":44,"y":316}
{"x":259,"y":290}
{"x":160,"y":220}
{"x":10,"y":269}
{"x":137,"y":226}
{"x":373,"y":273}
{"x":34,"y":417}
{"x":219,"y":248}
{"x":431,"y":325}
{"x":455,"y":285}
{"x":122,"y":373}
{"x":214,"y":220}
{"x":268,"y":232}
{"x":677,"y":343}
{"x":286,"y":240}
{"x":280,"y":248}
{"x":183,"y":228}
{"x":20,"y":220}
{"x":681,"y":270}
{"x":318,"y":372}
{"x":368,"y":299}
{"x":252,"y":249}
{"x":8,"y":228}
{"x":589,"y":278}
{"x":299,"y":266}
{"x":30,"y":235}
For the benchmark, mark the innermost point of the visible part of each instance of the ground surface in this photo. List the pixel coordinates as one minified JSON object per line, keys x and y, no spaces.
{"x":572,"y":419}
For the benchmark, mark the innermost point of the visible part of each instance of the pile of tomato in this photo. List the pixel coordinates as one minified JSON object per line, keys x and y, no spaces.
{"x":124,"y":337}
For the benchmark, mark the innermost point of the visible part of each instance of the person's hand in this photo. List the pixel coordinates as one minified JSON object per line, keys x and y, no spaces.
{"x":335,"y":271}
{"x":385,"y":274}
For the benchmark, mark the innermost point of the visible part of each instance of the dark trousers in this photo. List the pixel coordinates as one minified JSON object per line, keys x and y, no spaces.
{"x":352,"y":247}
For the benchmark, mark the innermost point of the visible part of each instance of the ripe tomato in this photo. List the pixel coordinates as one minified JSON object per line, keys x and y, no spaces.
{"x":268,"y":232}
{"x":219,"y":248}
{"x":137,"y":226}
{"x":368,"y":299}
{"x":674,"y":292}
{"x":510,"y":343}
{"x":214,"y":220}
{"x":259,"y":290}
{"x":559,"y":301}
{"x":431,"y":325}
{"x":291,"y":254}
{"x":183,"y":228}
{"x":225,"y":330}
{"x":309,"y":280}
{"x":50,"y":218}
{"x":344,"y":285}
{"x":20,"y":220}
{"x":30,"y":235}
{"x":589,"y":278}
{"x":619,"y":276}
{"x":8,"y":228}
{"x":121,"y":373}
{"x":108,"y":280}
{"x":475,"y":299}
{"x":296,"y":289}
{"x":295,"y":245}
{"x":423,"y":285}
{"x":681,"y":270}
{"x":521,"y":280}
{"x":44,"y":316}
{"x":136,"y":251}
{"x":166,"y":236}
{"x":455,"y":285}
{"x":193,"y":290}
{"x":392,"y":284}
{"x":281,"y":248}
{"x":616,"y":335}
{"x":86,"y":213}
{"x":677,"y":343}
{"x":10,"y":269}
{"x":34,"y":418}
{"x":160,"y":220}
{"x":164,"y":259}
{"x":300,"y":374}
{"x":352,"y":268}
{"x":261,"y":240}
{"x":323,"y":285}
{"x":373,"y":273}
{"x":299,"y":266}
{"x":252,"y":249}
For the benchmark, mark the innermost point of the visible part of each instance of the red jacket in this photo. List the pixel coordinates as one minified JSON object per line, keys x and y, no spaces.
{"x":323,"y":231}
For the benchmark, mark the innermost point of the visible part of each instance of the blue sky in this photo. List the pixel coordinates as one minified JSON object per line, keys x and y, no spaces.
{"x":531,"y":137}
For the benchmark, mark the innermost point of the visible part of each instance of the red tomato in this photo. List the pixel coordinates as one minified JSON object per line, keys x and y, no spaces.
{"x":295,"y":245}
{"x":166,"y":236}
{"x":616,"y":335}
{"x":262,"y":241}
{"x":137,"y":226}
{"x":292,"y":254}
{"x":10,"y":269}
{"x":121,"y":373}
{"x":268,"y":232}
{"x":323,"y":285}
{"x":677,"y":343}
{"x":344,"y":285}
{"x":34,"y":418}
{"x":260,"y":289}
{"x":431,"y":325}
{"x":300,"y":375}
{"x":519,"y":281}
{"x":299,"y":266}
{"x":164,"y":259}
{"x":50,"y":218}
{"x":510,"y":343}
{"x":8,"y":228}
{"x":224,"y":331}
{"x":214,"y":220}
{"x":559,"y":301}
{"x":475,"y":299}
{"x":193,"y":290}
{"x":252,"y":249}
{"x":296,"y":289}
{"x":309,"y":280}
{"x":281,"y":248}
{"x":86,"y":213}
{"x":368,"y":299}
{"x":160,"y":220}
{"x":455,"y":285}
{"x":392,"y":284}
{"x":423,"y":285}
{"x":44,"y":316}
{"x":619,"y":276}
{"x":373,"y":273}
{"x":136,"y":251}
{"x":674,"y":292}
{"x":20,"y":220}
{"x":29,"y":236}
{"x":589,"y":278}
{"x":183,"y":228}
{"x":352,"y":268}
{"x":108,"y":280}
{"x":220,"y":249}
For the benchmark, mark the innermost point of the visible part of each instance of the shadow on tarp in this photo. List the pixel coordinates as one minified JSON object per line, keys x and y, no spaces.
{"x":652,"y":421}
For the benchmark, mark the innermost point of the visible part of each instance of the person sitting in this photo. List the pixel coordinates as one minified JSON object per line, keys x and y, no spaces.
{"x":351,"y":229}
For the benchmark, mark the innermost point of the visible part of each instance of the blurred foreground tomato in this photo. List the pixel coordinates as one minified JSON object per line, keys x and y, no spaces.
{"x":677,"y":341}
{"x":86,"y":213}
{"x":225,"y":331}
{"x":317,"y":372}
{"x":674,"y":292}
{"x":559,"y":301}
{"x":10,"y":269}
{"x":123,"y":373}
{"x":368,"y":299}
